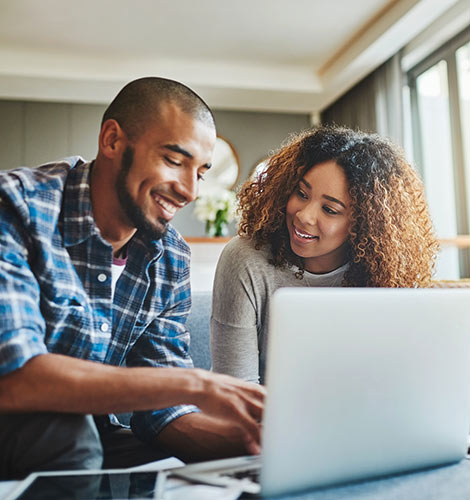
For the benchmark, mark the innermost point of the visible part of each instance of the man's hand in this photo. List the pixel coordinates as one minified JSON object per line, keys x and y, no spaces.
{"x":198,"y":436}
{"x":238,"y":403}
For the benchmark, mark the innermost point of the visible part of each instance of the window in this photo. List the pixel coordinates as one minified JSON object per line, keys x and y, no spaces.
{"x":439,"y":93}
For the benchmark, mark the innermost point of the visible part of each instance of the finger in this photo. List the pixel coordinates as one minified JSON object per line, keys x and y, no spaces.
{"x":251,"y":430}
{"x":255,"y":402}
{"x":252,"y":447}
{"x":255,"y":409}
{"x":252,"y":440}
{"x":257,"y":390}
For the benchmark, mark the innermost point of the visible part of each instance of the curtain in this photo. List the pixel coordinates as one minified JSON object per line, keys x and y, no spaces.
{"x":374,"y":104}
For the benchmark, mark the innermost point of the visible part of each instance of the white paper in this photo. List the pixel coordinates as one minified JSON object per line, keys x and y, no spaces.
{"x":165,"y":463}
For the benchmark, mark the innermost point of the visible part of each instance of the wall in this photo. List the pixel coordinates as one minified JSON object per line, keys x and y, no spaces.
{"x":32,"y":133}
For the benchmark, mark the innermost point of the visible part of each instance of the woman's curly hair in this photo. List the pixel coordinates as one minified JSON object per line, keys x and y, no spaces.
{"x":391,"y":241}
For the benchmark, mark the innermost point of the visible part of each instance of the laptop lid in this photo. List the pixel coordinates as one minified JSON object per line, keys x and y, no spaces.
{"x":364,"y":382}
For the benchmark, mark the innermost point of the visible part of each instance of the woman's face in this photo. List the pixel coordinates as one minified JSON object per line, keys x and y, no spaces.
{"x":318,"y":218}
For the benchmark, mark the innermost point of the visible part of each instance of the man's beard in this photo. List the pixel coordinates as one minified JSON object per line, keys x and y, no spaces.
{"x":133,"y":212}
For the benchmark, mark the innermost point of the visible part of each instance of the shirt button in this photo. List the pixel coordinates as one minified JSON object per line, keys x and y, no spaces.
{"x":104,"y":327}
{"x":101,"y":277}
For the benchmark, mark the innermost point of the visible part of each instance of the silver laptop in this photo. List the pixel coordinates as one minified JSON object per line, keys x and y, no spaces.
{"x":361,"y":383}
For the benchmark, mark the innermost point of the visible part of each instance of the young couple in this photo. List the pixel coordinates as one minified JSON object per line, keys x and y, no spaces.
{"x":94,"y":281}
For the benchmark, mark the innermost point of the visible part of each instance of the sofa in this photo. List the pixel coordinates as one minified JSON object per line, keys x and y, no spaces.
{"x":198,"y":325}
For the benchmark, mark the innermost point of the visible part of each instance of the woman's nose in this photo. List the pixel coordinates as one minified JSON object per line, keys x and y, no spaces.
{"x":308,"y":215}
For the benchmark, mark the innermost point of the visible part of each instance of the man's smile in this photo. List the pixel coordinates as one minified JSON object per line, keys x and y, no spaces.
{"x":169,"y":207}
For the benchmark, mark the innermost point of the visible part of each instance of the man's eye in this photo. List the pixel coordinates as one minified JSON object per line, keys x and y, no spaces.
{"x":172,"y":162}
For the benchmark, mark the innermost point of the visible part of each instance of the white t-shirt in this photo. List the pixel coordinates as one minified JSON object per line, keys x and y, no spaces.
{"x":116,"y":271}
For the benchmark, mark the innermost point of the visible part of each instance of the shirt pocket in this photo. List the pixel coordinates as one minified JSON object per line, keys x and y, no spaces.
{"x":69,"y":322}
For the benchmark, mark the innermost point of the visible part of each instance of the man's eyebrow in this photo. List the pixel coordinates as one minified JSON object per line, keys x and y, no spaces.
{"x":330,"y":198}
{"x":176,"y":148}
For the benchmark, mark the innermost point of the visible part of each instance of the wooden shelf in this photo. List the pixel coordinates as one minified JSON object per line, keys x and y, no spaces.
{"x":461,"y":241}
{"x":204,"y":239}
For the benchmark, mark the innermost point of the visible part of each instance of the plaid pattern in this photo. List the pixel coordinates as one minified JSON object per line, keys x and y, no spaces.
{"x":55,"y":283}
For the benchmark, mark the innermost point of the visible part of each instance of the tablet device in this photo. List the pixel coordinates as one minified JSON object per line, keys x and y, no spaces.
{"x":88,"y":485}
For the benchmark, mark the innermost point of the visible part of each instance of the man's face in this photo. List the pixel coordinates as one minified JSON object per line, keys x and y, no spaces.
{"x":160,"y":171}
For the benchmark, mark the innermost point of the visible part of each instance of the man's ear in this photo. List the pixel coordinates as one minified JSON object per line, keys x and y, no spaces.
{"x":111,"y":139}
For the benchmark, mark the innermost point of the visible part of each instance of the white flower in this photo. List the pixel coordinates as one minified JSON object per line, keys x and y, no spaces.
{"x":208,"y":206}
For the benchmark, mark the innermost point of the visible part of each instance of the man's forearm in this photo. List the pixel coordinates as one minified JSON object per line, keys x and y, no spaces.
{"x":232,"y":408}
{"x":53,"y":382}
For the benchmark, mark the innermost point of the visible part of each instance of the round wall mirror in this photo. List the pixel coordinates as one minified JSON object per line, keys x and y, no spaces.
{"x":259,"y":168}
{"x":225,"y":168}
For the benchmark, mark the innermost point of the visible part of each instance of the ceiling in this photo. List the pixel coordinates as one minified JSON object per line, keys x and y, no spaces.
{"x":263,"y":55}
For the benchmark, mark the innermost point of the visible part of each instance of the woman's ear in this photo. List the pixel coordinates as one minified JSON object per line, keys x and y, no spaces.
{"x":112,"y":139}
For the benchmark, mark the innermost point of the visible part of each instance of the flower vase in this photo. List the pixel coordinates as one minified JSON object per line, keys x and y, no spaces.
{"x":216,"y":228}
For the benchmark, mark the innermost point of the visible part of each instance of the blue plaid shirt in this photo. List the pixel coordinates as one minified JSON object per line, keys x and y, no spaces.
{"x":55,"y":283}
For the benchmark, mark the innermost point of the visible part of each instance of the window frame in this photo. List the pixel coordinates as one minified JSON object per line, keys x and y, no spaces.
{"x":446,"y":52}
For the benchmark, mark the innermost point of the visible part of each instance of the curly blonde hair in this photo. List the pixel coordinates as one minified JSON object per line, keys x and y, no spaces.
{"x":391,"y":240}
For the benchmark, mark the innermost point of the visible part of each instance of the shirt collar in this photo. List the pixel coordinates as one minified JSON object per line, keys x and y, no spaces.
{"x":153,"y":248}
{"x":78,"y":221}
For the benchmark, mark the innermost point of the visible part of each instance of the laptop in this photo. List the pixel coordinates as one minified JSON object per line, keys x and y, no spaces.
{"x":361,"y":383}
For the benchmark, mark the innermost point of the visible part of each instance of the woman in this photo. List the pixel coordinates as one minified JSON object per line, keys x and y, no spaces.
{"x":334,"y":207}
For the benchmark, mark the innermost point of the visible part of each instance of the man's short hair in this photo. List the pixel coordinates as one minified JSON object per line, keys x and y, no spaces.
{"x":138,"y":104}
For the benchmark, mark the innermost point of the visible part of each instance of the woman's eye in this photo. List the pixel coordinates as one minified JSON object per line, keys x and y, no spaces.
{"x":301,"y":194}
{"x":329,"y":210}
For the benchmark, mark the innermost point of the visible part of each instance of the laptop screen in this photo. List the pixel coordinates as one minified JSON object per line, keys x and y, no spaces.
{"x":382,"y":374}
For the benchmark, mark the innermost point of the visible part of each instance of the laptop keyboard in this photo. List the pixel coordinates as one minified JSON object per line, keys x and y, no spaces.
{"x":241,"y":472}
{"x":250,"y":474}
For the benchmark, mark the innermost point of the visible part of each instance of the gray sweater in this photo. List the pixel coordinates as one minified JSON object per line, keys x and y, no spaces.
{"x":243,"y":285}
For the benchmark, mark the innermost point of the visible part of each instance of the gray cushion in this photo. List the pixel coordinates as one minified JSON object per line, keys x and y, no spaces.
{"x":198,"y":325}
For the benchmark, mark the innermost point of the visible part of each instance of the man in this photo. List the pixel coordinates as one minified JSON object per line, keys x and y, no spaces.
{"x":94,"y":295}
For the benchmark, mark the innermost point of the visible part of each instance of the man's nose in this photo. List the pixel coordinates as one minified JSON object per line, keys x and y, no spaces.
{"x":187,"y":187}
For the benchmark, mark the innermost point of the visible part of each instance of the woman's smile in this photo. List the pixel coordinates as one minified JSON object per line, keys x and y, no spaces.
{"x":303,"y":235}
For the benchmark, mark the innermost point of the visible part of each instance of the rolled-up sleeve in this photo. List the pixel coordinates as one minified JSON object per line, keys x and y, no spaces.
{"x":22,"y":327}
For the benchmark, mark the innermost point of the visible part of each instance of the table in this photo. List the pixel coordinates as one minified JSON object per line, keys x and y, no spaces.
{"x":451,"y":482}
